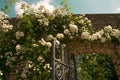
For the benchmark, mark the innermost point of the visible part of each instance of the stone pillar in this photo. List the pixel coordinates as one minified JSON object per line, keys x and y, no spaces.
{"x":116,"y":60}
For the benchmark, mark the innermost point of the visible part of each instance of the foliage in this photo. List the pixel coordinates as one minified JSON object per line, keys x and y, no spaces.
{"x":65,"y":5}
{"x":95,"y":67}
{"x":7,"y":4}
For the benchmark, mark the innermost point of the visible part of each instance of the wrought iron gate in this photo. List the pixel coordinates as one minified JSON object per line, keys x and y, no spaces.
{"x":63,"y":63}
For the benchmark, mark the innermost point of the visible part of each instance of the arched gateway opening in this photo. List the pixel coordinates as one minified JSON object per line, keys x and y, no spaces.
{"x":109,"y":53}
{"x":86,"y":61}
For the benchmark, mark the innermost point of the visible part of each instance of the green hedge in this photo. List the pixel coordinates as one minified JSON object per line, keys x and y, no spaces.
{"x":95,"y":67}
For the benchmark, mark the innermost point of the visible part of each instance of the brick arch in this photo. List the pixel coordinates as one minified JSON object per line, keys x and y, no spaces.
{"x":109,"y":48}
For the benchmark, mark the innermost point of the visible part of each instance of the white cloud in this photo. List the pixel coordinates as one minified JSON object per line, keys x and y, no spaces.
{"x":117,"y":10}
{"x":18,"y":9}
{"x":46,"y":3}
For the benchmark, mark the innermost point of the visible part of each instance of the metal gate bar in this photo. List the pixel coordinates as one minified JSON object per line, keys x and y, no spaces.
{"x":63,"y":63}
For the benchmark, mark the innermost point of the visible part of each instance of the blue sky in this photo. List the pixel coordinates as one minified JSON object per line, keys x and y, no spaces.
{"x":82,"y":6}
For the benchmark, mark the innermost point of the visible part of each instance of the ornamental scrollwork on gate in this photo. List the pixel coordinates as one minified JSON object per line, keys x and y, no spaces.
{"x":63,"y":65}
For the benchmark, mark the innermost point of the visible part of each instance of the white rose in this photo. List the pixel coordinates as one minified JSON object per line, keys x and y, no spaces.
{"x":94,"y":37}
{"x":35,"y":45}
{"x":60,"y":36}
{"x":99,"y":34}
{"x":116,"y":33}
{"x":108,"y":36}
{"x":46,"y":66}
{"x":1,"y":73}
{"x":57,"y":42}
{"x":73,"y":28}
{"x":42,"y":42}
{"x":85,"y":35}
{"x":18,"y":47}
{"x":50,"y":37}
{"x":40,"y":58}
{"x":66,"y":31}
{"x":19,"y":34}
{"x":108,"y":28}
{"x":48,"y":44}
